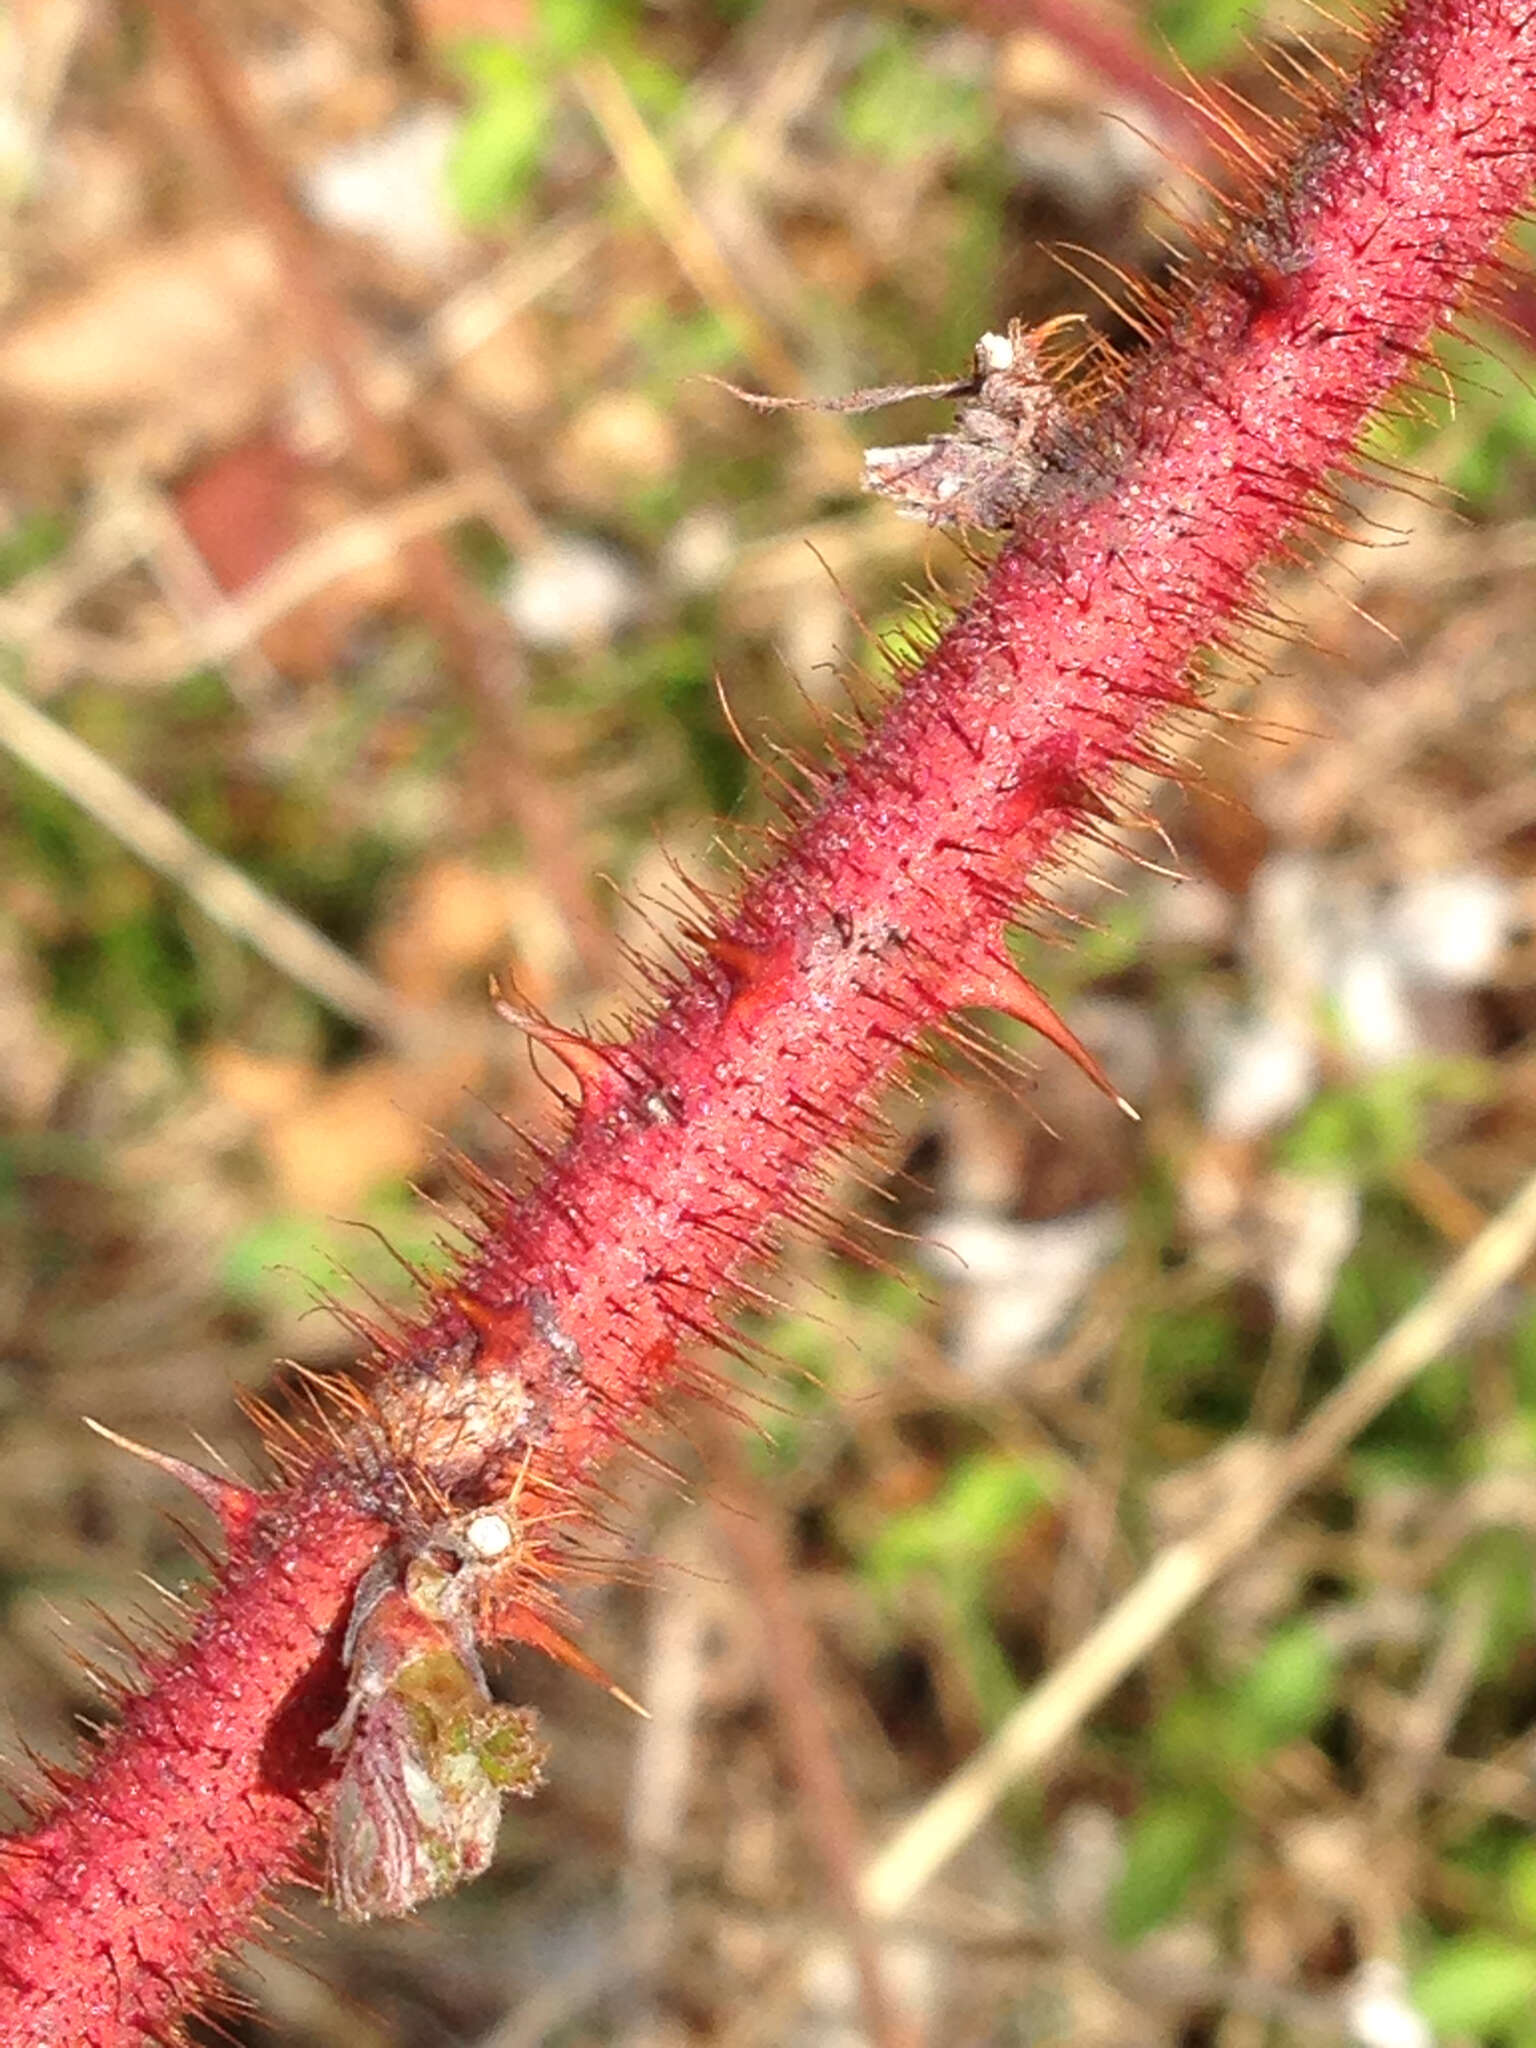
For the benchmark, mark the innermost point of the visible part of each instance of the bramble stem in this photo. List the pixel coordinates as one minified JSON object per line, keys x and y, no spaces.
{"x":698,"y":1139}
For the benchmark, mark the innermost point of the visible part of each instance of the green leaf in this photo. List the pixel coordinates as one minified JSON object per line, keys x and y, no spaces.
{"x":677,"y":346}
{"x":568,"y":29}
{"x":1378,"y":1123}
{"x":1172,"y":1839}
{"x":1520,"y":1885}
{"x":1485,"y":433}
{"x":31,"y":542}
{"x":1475,"y":1984}
{"x":1285,"y":1693}
{"x":1188,"y":1740}
{"x":901,"y":107}
{"x":1203,"y":33}
{"x":1186,"y":1346}
{"x":501,"y":144}
{"x":491,"y":63}
{"x":655,"y":88}
{"x":1523,"y":1361}
{"x":957,"y":1534}
{"x":277,"y":1257}
{"x":1493,"y":1569}
{"x":282,"y":1261}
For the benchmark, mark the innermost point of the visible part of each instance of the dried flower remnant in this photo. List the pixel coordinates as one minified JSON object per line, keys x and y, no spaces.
{"x":984,"y":472}
{"x":426,"y":1753}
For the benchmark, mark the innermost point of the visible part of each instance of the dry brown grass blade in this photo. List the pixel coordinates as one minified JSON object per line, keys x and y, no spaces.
{"x":360,"y":542}
{"x":747,"y":1519}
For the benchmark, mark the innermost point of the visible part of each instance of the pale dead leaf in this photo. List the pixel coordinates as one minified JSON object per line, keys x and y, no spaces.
{"x":506,"y":376}
{"x":34,"y":1060}
{"x":378,"y":1122}
{"x":455,"y":920}
{"x":261,"y":1086}
{"x":352,"y":1135}
{"x":617,"y":442}
{"x":178,"y":341}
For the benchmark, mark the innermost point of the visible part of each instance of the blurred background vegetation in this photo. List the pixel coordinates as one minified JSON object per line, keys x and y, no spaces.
{"x":368,"y":566}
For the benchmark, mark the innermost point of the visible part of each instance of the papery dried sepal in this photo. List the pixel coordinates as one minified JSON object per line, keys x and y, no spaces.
{"x":426,"y":1754}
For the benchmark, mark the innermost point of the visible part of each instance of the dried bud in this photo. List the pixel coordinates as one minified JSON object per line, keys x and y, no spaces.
{"x":985,"y":471}
{"x":427,"y":1754}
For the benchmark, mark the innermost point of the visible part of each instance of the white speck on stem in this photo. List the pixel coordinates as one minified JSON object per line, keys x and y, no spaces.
{"x":489,"y":1535}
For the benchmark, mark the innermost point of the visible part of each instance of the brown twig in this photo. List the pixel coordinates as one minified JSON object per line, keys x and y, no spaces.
{"x":747,"y":1519}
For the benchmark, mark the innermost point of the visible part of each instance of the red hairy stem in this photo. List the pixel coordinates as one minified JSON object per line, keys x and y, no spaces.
{"x":1154,"y":501}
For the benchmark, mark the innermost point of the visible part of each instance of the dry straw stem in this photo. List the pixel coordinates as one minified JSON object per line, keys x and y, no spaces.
{"x":1185,"y":1570}
{"x":225,"y":894}
{"x":219,"y":890}
{"x":235,"y":624}
{"x":650,"y":176}
{"x":1163,"y":487}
